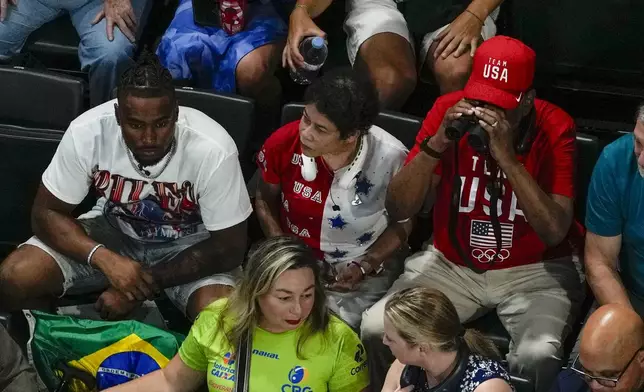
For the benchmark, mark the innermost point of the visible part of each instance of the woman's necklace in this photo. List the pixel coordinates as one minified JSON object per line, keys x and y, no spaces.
{"x":358,"y":151}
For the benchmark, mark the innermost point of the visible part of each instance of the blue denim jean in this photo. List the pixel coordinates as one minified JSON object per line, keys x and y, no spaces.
{"x":105,"y":60}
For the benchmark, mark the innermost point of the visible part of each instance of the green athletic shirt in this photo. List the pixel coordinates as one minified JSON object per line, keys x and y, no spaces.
{"x":334,"y":363}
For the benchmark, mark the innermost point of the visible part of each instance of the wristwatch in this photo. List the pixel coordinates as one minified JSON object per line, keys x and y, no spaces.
{"x":424,"y":146}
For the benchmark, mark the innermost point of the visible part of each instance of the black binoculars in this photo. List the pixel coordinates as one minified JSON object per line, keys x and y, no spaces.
{"x":477,"y":137}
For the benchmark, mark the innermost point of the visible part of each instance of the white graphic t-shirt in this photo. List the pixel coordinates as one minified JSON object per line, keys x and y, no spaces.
{"x":201,"y":187}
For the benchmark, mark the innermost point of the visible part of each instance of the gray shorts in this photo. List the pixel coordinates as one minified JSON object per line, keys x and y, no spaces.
{"x":80,"y":278}
{"x":366,"y":18}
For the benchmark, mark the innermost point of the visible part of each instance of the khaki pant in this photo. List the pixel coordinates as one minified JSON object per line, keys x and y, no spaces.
{"x":536,"y":303}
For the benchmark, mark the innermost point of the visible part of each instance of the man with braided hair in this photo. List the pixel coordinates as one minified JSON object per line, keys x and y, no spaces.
{"x":171,"y":211}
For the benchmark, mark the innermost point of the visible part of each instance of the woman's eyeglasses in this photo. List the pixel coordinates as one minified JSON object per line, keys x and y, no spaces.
{"x":610,"y":382}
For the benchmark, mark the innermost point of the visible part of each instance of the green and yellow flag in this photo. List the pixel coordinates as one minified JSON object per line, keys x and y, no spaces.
{"x":111,"y":352}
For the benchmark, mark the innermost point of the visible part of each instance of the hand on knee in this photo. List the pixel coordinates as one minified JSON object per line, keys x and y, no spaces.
{"x":452,"y":73}
{"x":107,"y":54}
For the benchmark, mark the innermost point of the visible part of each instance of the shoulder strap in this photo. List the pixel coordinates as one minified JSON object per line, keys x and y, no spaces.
{"x":242,"y":370}
{"x":453,"y":217}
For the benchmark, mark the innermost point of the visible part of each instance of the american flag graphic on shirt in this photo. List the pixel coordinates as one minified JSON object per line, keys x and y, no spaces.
{"x":482,"y":234}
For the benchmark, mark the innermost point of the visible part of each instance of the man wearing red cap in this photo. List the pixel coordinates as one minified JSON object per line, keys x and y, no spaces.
{"x":503,"y":208}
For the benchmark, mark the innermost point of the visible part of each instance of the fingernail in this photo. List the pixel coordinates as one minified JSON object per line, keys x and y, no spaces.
{"x":459,"y":114}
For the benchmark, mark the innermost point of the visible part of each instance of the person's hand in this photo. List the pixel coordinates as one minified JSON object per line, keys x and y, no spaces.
{"x":128,"y":277}
{"x":463,"y":32}
{"x":120,"y":13}
{"x":347,"y":279}
{"x":500,"y":132}
{"x":113,"y":305}
{"x":300,"y":26}
{"x":439,"y":142}
{"x":4,"y":4}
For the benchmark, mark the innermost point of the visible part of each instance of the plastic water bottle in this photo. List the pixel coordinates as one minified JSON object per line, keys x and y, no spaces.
{"x":314,"y":51}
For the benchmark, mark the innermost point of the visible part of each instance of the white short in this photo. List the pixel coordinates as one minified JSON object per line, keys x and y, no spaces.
{"x":367,"y":18}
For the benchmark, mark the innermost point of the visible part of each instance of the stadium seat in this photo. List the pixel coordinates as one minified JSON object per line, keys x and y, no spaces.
{"x":35,"y":109}
{"x":403,"y":126}
{"x":233,"y":112}
{"x":580,"y":63}
{"x":25,"y":152}
{"x":56,"y":45}
{"x":581,"y":47}
{"x":588,"y":151}
{"x":39,"y":98}
{"x":521,"y":384}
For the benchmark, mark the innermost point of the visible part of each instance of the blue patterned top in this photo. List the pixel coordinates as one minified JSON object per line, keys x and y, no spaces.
{"x":478,"y":371}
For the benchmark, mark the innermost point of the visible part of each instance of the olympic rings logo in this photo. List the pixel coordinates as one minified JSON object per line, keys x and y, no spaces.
{"x":487,"y":255}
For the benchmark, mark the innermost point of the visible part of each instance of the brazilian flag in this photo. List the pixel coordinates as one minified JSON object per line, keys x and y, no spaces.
{"x":108,"y":353}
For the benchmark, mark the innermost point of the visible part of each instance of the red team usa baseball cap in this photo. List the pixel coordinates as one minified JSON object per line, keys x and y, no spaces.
{"x":502,"y":71}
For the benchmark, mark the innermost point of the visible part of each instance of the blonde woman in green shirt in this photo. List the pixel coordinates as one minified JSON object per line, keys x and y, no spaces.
{"x":297,"y":344}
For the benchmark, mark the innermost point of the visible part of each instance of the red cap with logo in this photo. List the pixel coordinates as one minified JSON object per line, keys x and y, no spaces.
{"x":502,"y":70}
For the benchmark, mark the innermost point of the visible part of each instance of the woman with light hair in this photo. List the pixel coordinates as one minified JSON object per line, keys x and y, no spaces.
{"x":433,"y":351}
{"x":274,"y":333}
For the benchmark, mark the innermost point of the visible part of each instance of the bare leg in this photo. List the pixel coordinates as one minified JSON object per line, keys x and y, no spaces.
{"x":256,"y":79}
{"x":451,"y":73}
{"x":204,"y":297}
{"x":389,"y":59}
{"x":29,"y":279}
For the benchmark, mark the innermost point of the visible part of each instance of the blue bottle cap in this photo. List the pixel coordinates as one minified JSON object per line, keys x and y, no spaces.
{"x":318,"y":42}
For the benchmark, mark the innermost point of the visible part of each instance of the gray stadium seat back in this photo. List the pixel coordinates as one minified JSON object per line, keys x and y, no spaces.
{"x":26,"y":153}
{"x":588,"y":151}
{"x":39,"y":98}
{"x":403,"y":126}
{"x":233,"y":112}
